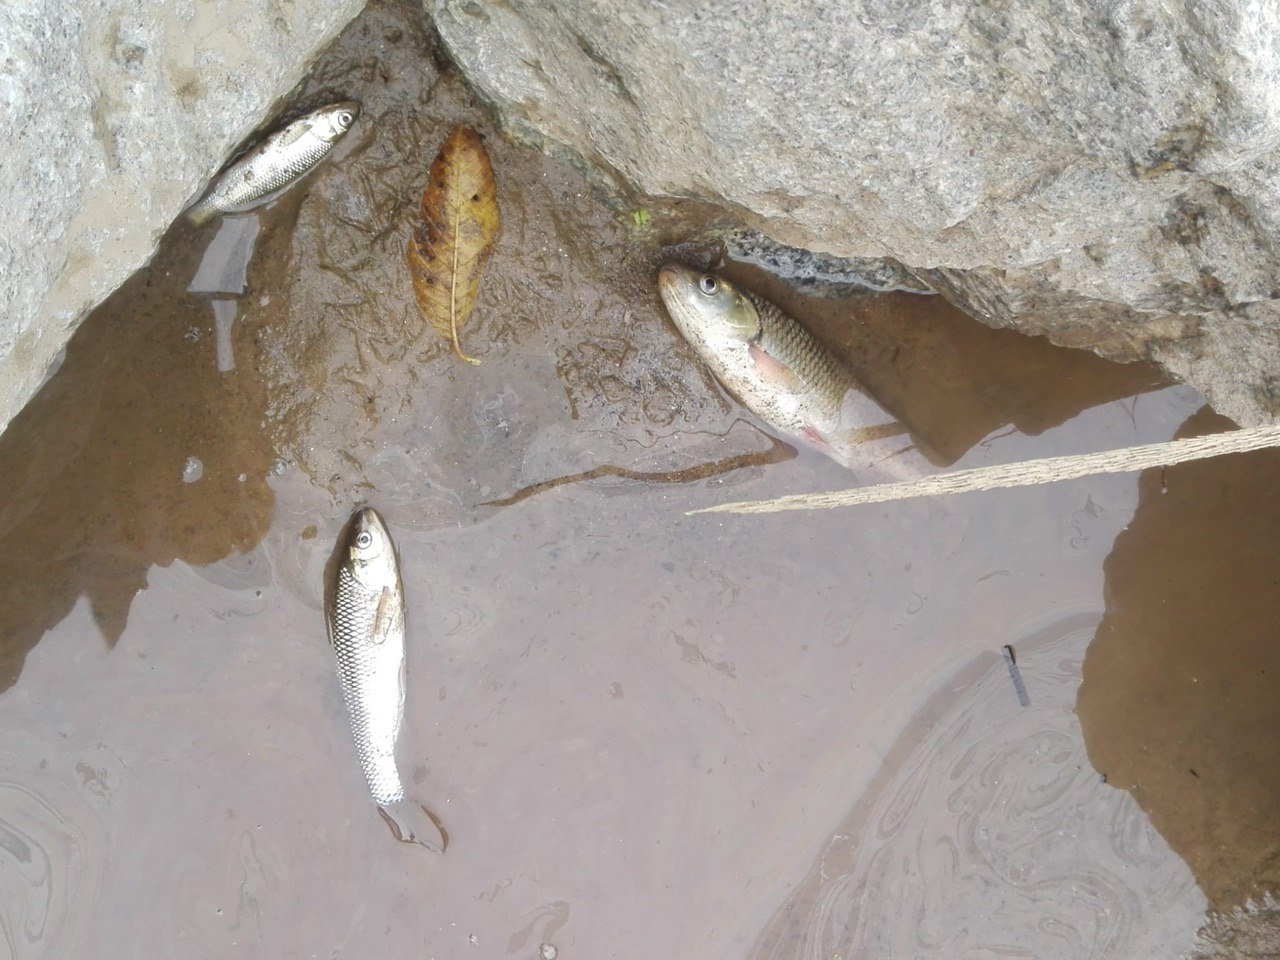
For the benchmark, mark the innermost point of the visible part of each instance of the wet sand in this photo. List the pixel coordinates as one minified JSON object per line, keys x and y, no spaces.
{"x":645,"y":733}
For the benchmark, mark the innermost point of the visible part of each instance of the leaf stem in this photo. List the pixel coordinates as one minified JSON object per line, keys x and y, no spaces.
{"x":453,"y":289}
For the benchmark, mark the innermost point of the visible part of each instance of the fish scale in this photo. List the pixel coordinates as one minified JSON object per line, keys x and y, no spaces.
{"x":261,"y":183}
{"x":791,"y":345}
{"x":372,"y":684}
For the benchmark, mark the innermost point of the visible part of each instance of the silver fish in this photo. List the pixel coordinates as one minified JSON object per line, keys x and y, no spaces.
{"x":365,"y":614}
{"x":777,"y":369}
{"x":278,"y":162}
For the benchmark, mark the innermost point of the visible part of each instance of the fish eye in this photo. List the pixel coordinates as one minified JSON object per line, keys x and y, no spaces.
{"x":709,"y":285}
{"x":363,"y":539}
{"x":345,"y":118}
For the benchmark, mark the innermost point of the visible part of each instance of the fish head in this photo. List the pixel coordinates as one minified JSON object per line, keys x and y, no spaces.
{"x":371,"y":554}
{"x":710,"y":311}
{"x":333,"y":122}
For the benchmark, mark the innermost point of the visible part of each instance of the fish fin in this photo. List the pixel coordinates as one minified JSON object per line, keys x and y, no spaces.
{"x":842,"y":447}
{"x":413,"y":823}
{"x":877,"y":431}
{"x":863,"y":423}
{"x":384,"y":617}
{"x":861,"y":418}
{"x":773,"y":370}
{"x":865,"y":436}
{"x":290,"y":134}
{"x":815,"y":438}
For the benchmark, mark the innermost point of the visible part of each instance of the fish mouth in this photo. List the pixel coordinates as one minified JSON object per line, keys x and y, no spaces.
{"x":676,"y":283}
{"x":673,"y":291}
{"x":671,"y":275}
{"x":367,"y":518}
{"x":688,"y":309}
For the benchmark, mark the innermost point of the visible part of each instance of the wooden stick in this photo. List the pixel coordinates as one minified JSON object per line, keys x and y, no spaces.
{"x":1026,"y":473}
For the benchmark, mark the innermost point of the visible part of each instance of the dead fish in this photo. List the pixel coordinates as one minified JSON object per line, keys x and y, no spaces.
{"x":276,"y":163}
{"x":775,"y":367}
{"x":365,"y":614}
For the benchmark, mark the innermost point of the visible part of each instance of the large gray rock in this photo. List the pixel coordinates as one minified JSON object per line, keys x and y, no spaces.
{"x":115,"y":113}
{"x":1104,"y":172}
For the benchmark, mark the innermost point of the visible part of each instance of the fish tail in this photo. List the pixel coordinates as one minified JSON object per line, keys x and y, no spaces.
{"x":412,"y":823}
{"x":201,"y":214}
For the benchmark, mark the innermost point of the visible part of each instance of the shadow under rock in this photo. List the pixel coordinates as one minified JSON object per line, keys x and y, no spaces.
{"x":96,"y":471}
{"x":1181,"y":696}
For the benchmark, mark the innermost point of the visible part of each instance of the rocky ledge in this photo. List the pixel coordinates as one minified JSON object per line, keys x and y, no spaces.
{"x":1105,"y":174}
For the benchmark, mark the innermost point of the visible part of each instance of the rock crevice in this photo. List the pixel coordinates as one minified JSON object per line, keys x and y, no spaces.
{"x":1107,"y":175}
{"x":116,"y":114}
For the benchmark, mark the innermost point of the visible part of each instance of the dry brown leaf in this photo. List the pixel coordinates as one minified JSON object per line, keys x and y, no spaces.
{"x":454,"y":236}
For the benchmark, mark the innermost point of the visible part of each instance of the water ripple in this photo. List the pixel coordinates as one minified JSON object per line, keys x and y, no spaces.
{"x":47,"y":887}
{"x":988,"y":833}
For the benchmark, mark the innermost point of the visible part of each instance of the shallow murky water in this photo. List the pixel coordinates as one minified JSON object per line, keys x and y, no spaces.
{"x":1179,"y":701}
{"x":646,"y":733}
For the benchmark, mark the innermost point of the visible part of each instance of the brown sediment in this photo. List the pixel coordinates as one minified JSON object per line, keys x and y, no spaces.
{"x":778,"y":452}
{"x":353,"y":366}
{"x":1181,"y":696}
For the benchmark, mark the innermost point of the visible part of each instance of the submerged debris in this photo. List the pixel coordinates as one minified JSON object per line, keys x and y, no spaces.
{"x":821,"y":275}
{"x":777,"y":453}
{"x":1011,"y":661}
{"x":1025,"y":473}
{"x":1244,"y":932}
